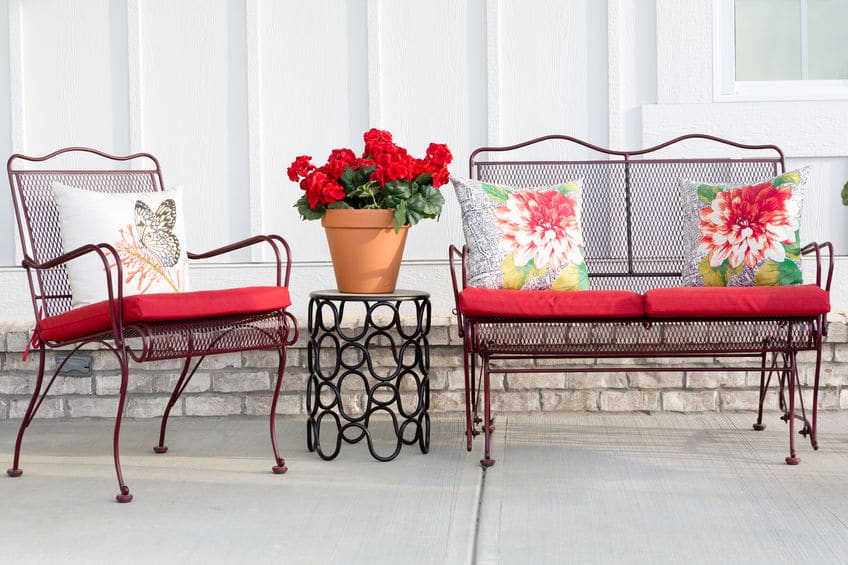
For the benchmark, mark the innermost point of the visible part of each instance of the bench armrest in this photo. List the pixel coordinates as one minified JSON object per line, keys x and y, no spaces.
{"x":455,"y":254}
{"x":816,"y":248}
{"x":279,"y":245}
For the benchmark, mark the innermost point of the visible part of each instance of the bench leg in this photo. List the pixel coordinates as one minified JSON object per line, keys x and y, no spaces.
{"x":810,"y":427}
{"x":759,"y":426}
{"x":488,"y":426}
{"x":469,"y":377}
{"x":475,"y":388}
{"x":792,"y":376}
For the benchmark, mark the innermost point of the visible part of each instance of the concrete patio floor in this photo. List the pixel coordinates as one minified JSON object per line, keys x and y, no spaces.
{"x":567,"y":488}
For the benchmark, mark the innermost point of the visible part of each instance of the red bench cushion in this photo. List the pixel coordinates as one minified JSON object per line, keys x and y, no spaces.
{"x":94,"y":318}
{"x":487,"y":302}
{"x":736,"y":302}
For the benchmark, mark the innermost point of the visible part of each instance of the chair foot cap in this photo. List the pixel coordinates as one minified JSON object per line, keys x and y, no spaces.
{"x":759,"y":427}
{"x":793,"y":460}
{"x":160,"y":448}
{"x":123,"y":498}
{"x":14,"y":472}
{"x":487,"y":462}
{"x":279,"y":469}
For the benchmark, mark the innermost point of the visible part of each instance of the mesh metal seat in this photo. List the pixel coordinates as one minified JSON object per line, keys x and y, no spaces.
{"x":190,"y":339}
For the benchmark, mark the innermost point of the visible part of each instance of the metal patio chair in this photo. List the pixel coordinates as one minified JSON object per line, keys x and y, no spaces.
{"x":188,"y":325}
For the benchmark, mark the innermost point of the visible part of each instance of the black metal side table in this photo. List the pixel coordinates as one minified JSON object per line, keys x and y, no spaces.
{"x":343,"y":368}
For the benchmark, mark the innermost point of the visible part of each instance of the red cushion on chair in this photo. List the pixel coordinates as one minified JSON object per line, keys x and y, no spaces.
{"x":487,"y":302}
{"x":94,"y":318}
{"x":737,"y":302}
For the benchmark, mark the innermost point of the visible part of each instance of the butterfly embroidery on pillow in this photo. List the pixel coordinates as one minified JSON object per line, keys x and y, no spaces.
{"x":150,"y":248}
{"x":155,"y":231}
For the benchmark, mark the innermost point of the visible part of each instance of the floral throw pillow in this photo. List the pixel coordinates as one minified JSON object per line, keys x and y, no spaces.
{"x":523,"y":238}
{"x":146,"y":229}
{"x":744,"y":235}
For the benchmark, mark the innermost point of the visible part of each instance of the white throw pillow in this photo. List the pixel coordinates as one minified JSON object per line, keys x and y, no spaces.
{"x":146,"y":228}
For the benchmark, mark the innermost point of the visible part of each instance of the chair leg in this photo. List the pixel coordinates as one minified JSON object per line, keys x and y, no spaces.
{"x":182,"y":382}
{"x":32,"y":408}
{"x":124,"y":495}
{"x":809,"y":428}
{"x":812,"y":429}
{"x":280,"y":467}
{"x":783,"y":375}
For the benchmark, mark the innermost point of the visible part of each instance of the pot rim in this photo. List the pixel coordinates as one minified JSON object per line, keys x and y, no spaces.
{"x":358,"y":218}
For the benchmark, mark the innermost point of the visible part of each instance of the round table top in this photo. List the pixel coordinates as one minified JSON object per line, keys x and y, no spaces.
{"x":398,"y":294}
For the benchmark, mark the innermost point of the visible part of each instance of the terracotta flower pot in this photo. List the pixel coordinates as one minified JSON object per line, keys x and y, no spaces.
{"x":365,"y":249}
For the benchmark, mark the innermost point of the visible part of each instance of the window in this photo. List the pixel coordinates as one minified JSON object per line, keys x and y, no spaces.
{"x":781,"y":49}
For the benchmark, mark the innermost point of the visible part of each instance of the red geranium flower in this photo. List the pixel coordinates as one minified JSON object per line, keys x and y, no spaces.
{"x":384,"y":176}
{"x":321,"y":189}
{"x":439,"y":154}
{"x":300,"y":167}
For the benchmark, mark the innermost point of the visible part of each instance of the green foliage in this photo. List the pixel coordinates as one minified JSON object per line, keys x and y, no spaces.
{"x":306,"y":212}
{"x":845,"y":194}
{"x":354,"y":180}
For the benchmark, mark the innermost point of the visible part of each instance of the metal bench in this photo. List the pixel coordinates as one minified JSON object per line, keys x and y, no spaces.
{"x":632,"y":223}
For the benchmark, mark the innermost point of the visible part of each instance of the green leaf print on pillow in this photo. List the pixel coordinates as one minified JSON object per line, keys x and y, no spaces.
{"x":573,"y":277}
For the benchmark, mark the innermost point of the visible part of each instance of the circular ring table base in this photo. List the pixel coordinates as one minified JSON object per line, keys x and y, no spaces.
{"x":369,"y":362}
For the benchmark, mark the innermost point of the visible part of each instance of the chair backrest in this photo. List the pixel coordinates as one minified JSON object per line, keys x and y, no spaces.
{"x":31,"y":178}
{"x":632,"y":213}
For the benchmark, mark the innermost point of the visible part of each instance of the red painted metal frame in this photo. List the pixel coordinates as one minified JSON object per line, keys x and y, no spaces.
{"x":191,"y":340}
{"x":484,"y":350}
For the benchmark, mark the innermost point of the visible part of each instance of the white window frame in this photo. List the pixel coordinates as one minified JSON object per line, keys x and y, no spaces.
{"x":727,"y":89}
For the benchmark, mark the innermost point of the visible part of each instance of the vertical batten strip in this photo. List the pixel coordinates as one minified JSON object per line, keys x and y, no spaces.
{"x":134,"y":102}
{"x":374,"y":83}
{"x":16,"y":78}
{"x":254,"y":125}
{"x":614,"y":54}
{"x":16,"y":99}
{"x":493,"y":102}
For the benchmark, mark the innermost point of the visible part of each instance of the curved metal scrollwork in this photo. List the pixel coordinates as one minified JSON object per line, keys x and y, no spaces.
{"x":383,"y":357}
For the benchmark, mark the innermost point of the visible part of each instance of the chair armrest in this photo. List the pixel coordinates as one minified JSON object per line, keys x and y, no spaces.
{"x":111,"y":260}
{"x":275,"y":241}
{"x":107,"y":254}
{"x":455,"y":254}
{"x":816,"y":248}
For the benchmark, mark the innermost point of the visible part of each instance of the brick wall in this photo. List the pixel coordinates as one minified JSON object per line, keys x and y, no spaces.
{"x":240,"y":383}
